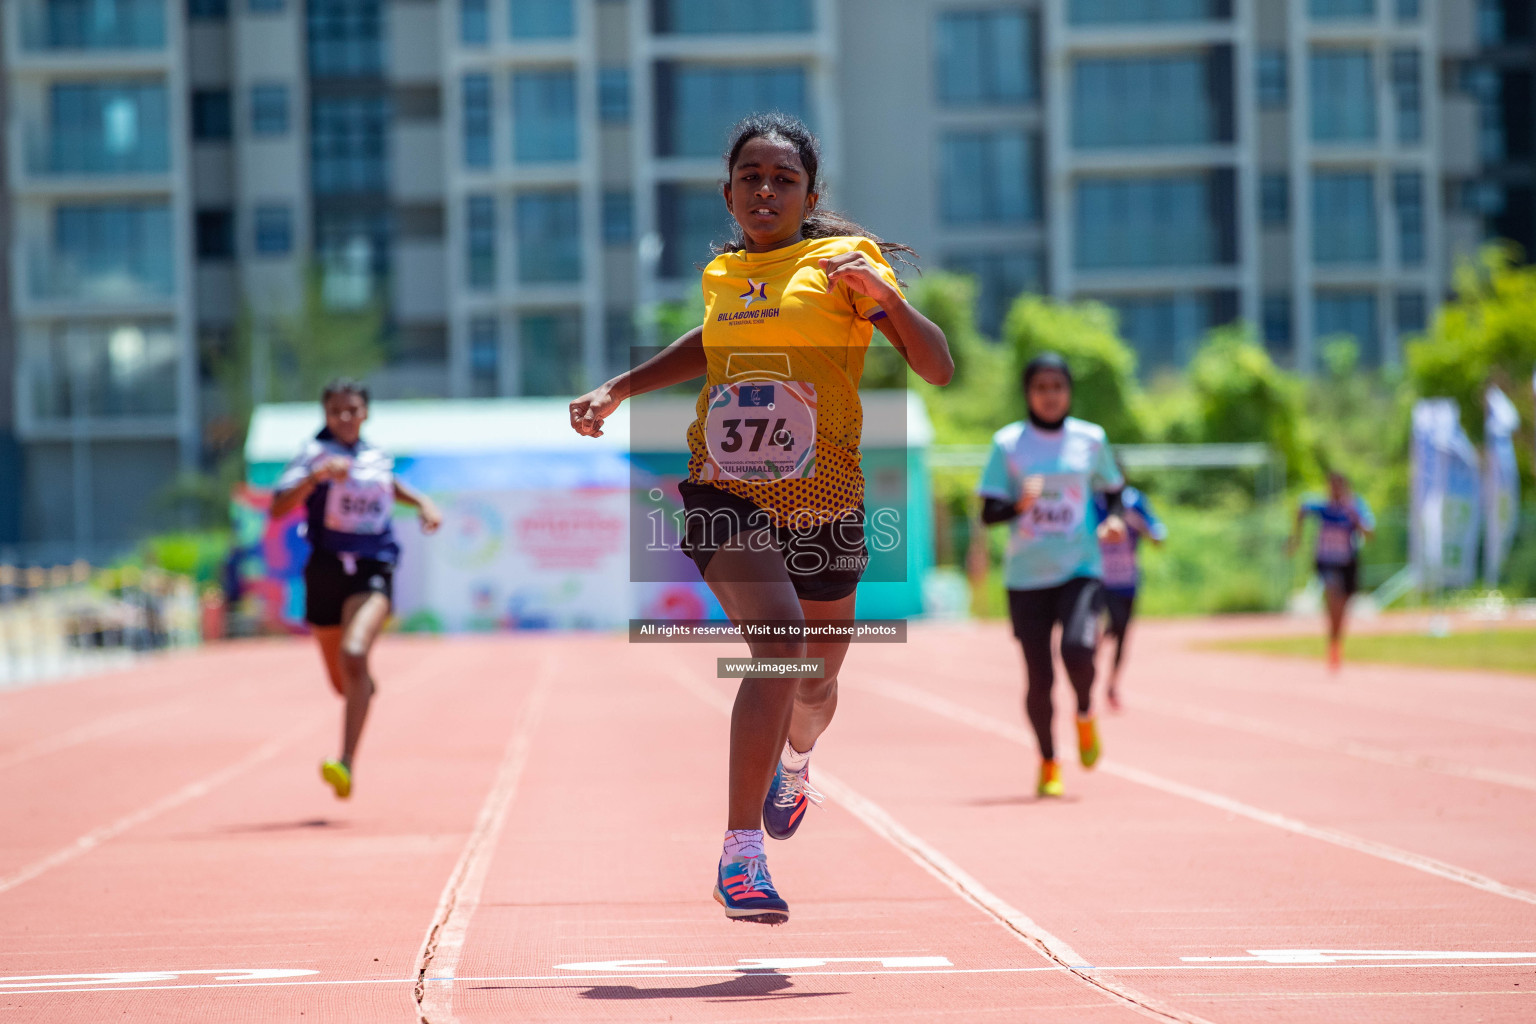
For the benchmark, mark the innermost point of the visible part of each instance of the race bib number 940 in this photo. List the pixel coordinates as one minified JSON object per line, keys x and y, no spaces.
{"x":358,"y":508}
{"x":761,"y":431}
{"x":1059,"y":509}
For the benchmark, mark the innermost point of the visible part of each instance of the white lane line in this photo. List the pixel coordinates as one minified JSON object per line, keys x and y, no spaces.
{"x":185,"y":794}
{"x":1017,"y":734}
{"x":1352,"y":748}
{"x":782,"y":974}
{"x":438,"y":960}
{"x":85,"y":733}
{"x":960,"y":882}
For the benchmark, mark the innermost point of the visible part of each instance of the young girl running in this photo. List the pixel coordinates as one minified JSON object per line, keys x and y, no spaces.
{"x":1122,"y":573}
{"x":1041,"y":476}
{"x":1343,"y":520}
{"x":349,"y":490}
{"x":774,"y":514}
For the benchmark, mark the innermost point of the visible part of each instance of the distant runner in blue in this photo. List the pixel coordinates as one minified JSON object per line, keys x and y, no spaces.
{"x":1122,"y":573}
{"x":348,"y":489}
{"x":1344,"y":520}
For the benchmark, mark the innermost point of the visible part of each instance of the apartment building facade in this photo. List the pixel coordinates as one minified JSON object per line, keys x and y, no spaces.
{"x":518,"y":181}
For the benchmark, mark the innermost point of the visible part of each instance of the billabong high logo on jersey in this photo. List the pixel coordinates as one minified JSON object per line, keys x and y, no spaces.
{"x":756,"y":292}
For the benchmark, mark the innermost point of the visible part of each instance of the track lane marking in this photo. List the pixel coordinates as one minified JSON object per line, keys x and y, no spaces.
{"x":1351,"y":748}
{"x":962,"y":883}
{"x":1017,"y":734}
{"x":632,"y":975}
{"x":438,"y":960}
{"x":185,"y":794}
{"x":85,"y":733}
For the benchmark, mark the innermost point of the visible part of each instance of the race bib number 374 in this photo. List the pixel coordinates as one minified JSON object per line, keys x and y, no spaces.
{"x":761,"y":431}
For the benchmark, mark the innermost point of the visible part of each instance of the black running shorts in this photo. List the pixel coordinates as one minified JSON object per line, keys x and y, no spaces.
{"x":1345,"y":578}
{"x":825,"y":562}
{"x":327,"y":585}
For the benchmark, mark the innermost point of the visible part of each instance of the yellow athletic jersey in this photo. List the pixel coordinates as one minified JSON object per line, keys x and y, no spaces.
{"x":779,"y":419}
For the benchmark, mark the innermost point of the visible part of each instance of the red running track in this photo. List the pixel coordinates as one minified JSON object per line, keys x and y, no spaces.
{"x":536,"y":820}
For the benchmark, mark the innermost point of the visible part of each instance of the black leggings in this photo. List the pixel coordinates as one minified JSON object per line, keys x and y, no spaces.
{"x":1076,"y":604}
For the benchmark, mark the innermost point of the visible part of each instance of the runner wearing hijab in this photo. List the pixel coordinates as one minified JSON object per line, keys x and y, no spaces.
{"x":1343,"y":520}
{"x":349,"y":490}
{"x":1041,"y":478}
{"x":774,"y":500}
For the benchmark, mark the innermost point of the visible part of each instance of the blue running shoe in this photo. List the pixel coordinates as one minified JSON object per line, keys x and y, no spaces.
{"x":746,"y":892}
{"x":788,"y":797}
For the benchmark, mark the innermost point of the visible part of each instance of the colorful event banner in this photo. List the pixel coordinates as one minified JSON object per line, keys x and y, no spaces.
{"x":1444,"y":522}
{"x":1501,"y":483}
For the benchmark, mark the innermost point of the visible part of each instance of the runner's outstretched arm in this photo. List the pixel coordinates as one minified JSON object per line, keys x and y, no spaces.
{"x":425,"y":507}
{"x":683,"y":360}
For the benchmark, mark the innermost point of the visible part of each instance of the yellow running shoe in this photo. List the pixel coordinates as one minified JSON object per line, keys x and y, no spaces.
{"x":338,"y":776}
{"x":1087,"y":742}
{"x":1050,"y":780}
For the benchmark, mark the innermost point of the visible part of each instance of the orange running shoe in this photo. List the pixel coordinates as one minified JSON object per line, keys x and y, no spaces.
{"x":1050,"y":780}
{"x":1335,"y":656}
{"x":1087,"y":742}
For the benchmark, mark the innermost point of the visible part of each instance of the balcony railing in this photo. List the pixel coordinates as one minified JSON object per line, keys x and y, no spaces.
{"x":55,"y":277}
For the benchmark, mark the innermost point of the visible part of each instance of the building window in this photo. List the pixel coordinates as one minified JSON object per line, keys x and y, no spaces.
{"x":1408,"y":198}
{"x":108,"y":128}
{"x":697,"y":104}
{"x":99,"y":25}
{"x":1001,"y":277}
{"x":549,"y":353}
{"x":989,"y":178}
{"x":986,"y":57}
{"x":484,"y":355}
{"x":474,"y":22}
{"x":1324,"y":10}
{"x":542,"y":19}
{"x":348,"y":144}
{"x":269,"y":109}
{"x":544,"y":116}
{"x":346,"y":38}
{"x":1278,"y":334}
{"x":1408,"y":91}
{"x":692,"y":219}
{"x":111,"y":251}
{"x":1166,"y":330}
{"x":613,"y":95}
{"x":548,"y":237}
{"x":1274,"y":80}
{"x":1412,"y":313}
{"x":274,"y":230}
{"x":1275,"y":200}
{"x":619,"y":341}
{"x":1408,"y":10}
{"x":352,"y":244}
{"x":207,"y":10}
{"x":1344,"y":218}
{"x":1349,"y":314}
{"x":215,"y":234}
{"x":477,"y":120}
{"x":480,"y":230}
{"x":618,"y":218}
{"x":1173,"y":221}
{"x":1343,"y":96}
{"x":694,"y":17}
{"x":1180,"y":100}
{"x":1140,"y":12}
{"x":266,"y":6}
{"x":211,"y":120}
{"x":107,"y":369}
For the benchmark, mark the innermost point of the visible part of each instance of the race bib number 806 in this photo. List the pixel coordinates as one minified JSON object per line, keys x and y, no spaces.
{"x":761,"y":431}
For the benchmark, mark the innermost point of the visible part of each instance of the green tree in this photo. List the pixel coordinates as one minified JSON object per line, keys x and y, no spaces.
{"x":1486,"y":335}
{"x":1106,"y":391}
{"x":1242,"y":396}
{"x":976,"y":402}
